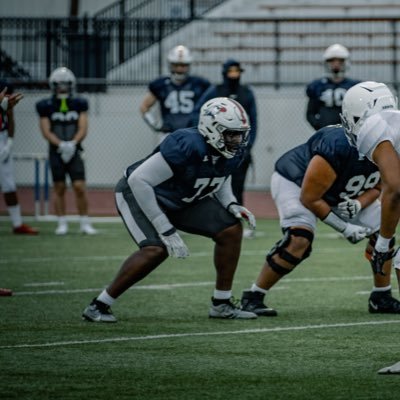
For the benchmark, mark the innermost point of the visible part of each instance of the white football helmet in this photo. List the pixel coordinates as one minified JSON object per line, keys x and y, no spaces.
{"x":360,"y":102}
{"x":62,"y":82}
{"x":336,"y":51}
{"x":179,"y":60}
{"x":221,"y":119}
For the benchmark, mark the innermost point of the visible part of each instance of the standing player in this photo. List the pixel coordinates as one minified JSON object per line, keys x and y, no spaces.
{"x":177,"y":94}
{"x":372,"y":124}
{"x":8,"y":101}
{"x":324,"y":178}
{"x":325,"y":95}
{"x":64,"y":124}
{"x":184,"y":184}
{"x":232,"y":88}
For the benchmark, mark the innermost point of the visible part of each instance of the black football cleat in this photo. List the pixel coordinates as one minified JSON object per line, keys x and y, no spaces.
{"x":254,"y":302}
{"x":383,"y":303}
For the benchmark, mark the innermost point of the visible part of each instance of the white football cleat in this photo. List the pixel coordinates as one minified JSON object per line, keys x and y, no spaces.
{"x":88,"y":229}
{"x":393,"y":369}
{"x":62,"y":229}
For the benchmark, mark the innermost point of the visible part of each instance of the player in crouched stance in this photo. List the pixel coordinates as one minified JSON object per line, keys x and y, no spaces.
{"x":325,"y":179}
{"x":184,"y":184}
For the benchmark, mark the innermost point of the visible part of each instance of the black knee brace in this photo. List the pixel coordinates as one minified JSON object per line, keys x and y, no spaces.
{"x":372,"y":241}
{"x":280,"y":249}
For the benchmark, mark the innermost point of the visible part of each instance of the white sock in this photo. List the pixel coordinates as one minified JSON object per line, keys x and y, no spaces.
{"x":255,"y":288}
{"x":15,"y":215}
{"x":84,"y":220}
{"x":381,"y":289}
{"x":222,"y":294}
{"x":62,"y":220}
{"x":105,"y":298}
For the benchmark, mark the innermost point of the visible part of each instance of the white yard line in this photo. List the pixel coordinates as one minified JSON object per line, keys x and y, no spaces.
{"x":34,"y":284}
{"x":167,"y":286}
{"x":50,"y":259}
{"x":195,"y":334}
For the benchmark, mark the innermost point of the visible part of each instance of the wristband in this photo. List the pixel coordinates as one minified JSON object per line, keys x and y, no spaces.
{"x":335,"y":222}
{"x":149,"y":118}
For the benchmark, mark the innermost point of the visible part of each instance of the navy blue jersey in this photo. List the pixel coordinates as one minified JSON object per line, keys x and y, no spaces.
{"x":354,"y":174}
{"x":63,"y":115}
{"x":177,"y":102}
{"x":198,"y":168}
{"x":325,"y":101}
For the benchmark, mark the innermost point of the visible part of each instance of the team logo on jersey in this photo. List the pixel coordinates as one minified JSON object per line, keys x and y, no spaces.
{"x":214,"y":159}
{"x":68,"y":116}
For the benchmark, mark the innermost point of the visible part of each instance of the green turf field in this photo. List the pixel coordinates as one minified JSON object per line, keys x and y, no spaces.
{"x":323,"y":345}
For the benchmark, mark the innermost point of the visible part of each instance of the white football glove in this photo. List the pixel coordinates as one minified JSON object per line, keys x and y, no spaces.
{"x":349,"y":208}
{"x":243,"y":213}
{"x":67,"y":150}
{"x":176,"y":247}
{"x":152,"y":122}
{"x":355,"y":233}
{"x":6,"y":150}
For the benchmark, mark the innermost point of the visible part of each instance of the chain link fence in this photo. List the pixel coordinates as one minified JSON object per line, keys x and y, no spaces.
{"x":118,"y":136}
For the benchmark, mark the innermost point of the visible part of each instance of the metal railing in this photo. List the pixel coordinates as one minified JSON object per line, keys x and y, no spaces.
{"x":188,"y":9}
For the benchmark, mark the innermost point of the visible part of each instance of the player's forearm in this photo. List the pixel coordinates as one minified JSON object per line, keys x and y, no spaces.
{"x":51,"y":138}
{"x":11,"y":124}
{"x":318,"y":207}
{"x":368,"y":197}
{"x":142,"y":182}
{"x":82,"y":128}
{"x":390,"y":212}
{"x":80,"y":135}
{"x":225,"y":195}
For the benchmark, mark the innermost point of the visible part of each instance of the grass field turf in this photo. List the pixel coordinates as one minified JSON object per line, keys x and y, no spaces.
{"x":323,"y":345}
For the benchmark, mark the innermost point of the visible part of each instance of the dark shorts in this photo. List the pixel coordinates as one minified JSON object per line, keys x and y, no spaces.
{"x":75,"y":169}
{"x":206,"y":217}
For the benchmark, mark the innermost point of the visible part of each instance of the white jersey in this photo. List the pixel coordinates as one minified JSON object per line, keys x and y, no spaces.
{"x":378,"y":128}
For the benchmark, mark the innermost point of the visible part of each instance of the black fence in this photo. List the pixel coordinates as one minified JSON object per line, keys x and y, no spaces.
{"x":188,"y":9}
{"x":275,"y":51}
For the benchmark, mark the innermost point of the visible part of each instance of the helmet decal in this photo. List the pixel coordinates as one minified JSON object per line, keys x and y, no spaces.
{"x":224,"y":124}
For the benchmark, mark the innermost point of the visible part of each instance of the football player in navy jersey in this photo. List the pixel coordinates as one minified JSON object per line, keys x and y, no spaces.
{"x":64,"y":124}
{"x":8,"y":100}
{"x":177,"y":94}
{"x":326,"y":179}
{"x":184,"y":184}
{"x":325,"y":95}
{"x":232,"y":88}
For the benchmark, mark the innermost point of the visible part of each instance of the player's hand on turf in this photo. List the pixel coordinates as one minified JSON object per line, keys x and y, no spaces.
{"x":355,"y":233}
{"x":176,"y":247}
{"x":243,"y":213}
{"x":349,"y":208}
